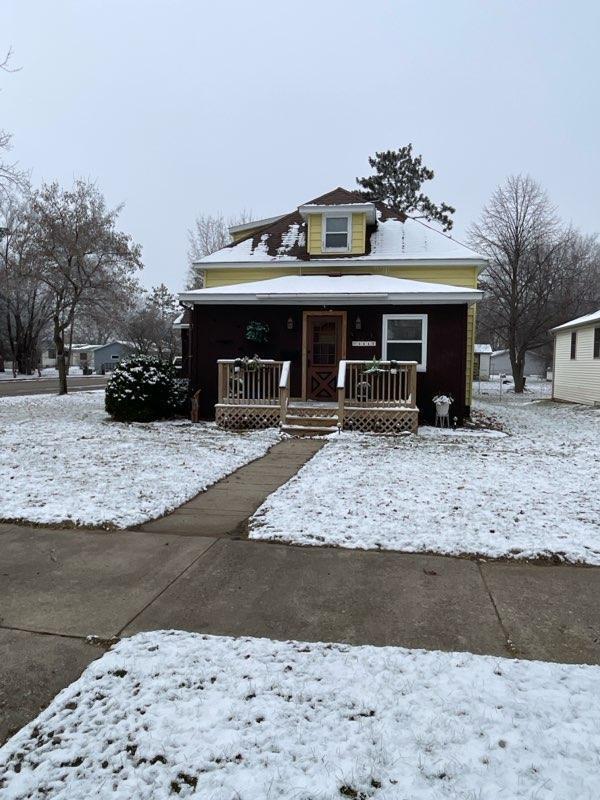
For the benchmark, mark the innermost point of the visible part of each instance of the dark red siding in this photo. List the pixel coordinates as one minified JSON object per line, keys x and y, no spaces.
{"x":219,"y":332}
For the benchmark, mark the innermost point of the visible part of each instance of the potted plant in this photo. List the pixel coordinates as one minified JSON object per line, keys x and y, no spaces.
{"x":442,"y":403}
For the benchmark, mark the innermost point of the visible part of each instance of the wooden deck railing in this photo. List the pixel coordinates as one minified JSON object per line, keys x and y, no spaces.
{"x":391,"y":384}
{"x":284,"y":390}
{"x":260,"y":386}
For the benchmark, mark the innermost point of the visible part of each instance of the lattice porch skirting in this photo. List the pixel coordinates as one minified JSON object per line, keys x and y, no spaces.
{"x":381,"y":420}
{"x":244,"y":418}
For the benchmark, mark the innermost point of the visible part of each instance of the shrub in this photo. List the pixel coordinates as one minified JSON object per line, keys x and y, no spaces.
{"x":142,"y":389}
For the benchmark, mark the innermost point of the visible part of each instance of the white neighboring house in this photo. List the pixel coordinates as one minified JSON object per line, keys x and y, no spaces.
{"x":576,"y":375}
{"x":481,"y":366}
{"x":535,"y":364}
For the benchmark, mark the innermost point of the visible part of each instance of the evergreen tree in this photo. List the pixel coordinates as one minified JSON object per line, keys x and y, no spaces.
{"x":397,"y":181}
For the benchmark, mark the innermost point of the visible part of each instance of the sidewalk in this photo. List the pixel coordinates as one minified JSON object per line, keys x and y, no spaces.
{"x":193,"y":570}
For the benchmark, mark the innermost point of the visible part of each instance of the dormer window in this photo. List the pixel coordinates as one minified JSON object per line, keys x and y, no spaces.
{"x":336,"y":232}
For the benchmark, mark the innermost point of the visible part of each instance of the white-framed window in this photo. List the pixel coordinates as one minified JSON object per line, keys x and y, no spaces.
{"x":404,"y":338}
{"x":337,"y":232}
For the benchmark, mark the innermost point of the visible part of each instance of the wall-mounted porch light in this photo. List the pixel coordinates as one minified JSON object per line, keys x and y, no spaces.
{"x":290,"y":324}
{"x":357,"y":323}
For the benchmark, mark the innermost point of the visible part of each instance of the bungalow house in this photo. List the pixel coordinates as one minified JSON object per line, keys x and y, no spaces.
{"x":359,"y":316}
{"x":576,"y":370}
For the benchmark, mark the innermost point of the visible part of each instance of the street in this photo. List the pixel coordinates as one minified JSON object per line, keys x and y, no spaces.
{"x":76,"y":383}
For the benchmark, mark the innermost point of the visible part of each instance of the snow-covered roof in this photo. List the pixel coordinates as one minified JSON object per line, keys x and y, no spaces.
{"x":392,"y":240}
{"x":391,"y":236}
{"x":89,"y":347}
{"x":483,"y":348}
{"x":343,"y":289}
{"x":85,"y":347}
{"x":588,"y":319}
{"x":528,"y":354}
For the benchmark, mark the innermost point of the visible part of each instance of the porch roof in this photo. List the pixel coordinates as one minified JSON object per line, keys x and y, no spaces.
{"x":332,"y":290}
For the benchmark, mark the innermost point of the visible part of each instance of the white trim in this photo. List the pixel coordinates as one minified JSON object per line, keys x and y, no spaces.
{"x":406,"y":298}
{"x":361,"y":262}
{"x":422,"y":366}
{"x":337,"y":215}
{"x":341,"y":208}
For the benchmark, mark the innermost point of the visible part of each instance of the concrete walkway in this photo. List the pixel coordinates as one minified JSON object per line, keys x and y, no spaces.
{"x":225,"y":507}
{"x":192,"y":572}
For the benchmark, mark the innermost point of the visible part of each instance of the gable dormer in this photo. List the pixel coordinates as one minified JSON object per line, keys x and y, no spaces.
{"x":337,"y":224}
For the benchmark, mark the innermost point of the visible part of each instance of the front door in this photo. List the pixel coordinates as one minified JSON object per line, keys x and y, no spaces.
{"x":324,"y":349}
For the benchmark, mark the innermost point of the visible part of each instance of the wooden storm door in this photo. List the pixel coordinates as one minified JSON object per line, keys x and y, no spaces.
{"x":324,"y":349}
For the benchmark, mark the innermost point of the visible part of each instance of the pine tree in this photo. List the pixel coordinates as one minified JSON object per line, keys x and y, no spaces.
{"x":397,"y":181}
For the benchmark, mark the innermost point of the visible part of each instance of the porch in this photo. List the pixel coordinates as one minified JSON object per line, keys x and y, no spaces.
{"x":370,"y":396}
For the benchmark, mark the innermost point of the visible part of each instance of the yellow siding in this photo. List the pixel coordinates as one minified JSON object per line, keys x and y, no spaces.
{"x":229,"y":276}
{"x":453,"y":276}
{"x":470,"y":354}
{"x":578,"y":379}
{"x":359,"y":229}
{"x":315,"y":235}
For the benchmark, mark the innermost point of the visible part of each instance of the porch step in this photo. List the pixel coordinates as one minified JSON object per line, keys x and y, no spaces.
{"x":324,"y":421}
{"x":307,"y":430}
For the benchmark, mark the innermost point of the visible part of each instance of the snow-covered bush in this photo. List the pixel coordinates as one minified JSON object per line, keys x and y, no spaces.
{"x":142,"y":389}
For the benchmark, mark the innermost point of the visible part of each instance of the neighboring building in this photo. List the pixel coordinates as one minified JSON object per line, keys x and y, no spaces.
{"x":481,"y":365}
{"x":576,"y":370}
{"x":329,"y":287}
{"x":98,"y":358}
{"x":535,"y":364}
{"x":105,"y":357}
{"x":47,"y":356}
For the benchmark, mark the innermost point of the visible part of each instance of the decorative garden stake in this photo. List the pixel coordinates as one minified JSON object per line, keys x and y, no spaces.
{"x":442,"y":404}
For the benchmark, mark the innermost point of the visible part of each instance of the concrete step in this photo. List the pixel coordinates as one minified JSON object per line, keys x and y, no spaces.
{"x":307,"y":430}
{"x":325,"y":421}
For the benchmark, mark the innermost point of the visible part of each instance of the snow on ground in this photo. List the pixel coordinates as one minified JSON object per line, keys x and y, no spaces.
{"x":63,"y":460}
{"x":170,"y":714}
{"x":499,"y":387}
{"x":47,"y":372}
{"x":533,"y":493}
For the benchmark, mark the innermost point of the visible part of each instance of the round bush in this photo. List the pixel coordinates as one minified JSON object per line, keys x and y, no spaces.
{"x":143,"y":389}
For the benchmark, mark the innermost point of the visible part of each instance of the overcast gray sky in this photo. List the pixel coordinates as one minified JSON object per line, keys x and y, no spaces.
{"x":183,"y":107}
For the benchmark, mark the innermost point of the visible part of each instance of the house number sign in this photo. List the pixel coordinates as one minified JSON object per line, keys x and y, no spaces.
{"x":364,"y":344}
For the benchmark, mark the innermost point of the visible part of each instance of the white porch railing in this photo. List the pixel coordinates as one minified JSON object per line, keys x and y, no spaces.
{"x":268,"y":384}
{"x":284,"y":390}
{"x":242,"y":386}
{"x":392,"y":385}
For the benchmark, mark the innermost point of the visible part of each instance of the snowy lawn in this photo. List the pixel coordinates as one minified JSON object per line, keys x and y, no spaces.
{"x":180,"y":714}
{"x":532,"y":493}
{"x":63,"y":460}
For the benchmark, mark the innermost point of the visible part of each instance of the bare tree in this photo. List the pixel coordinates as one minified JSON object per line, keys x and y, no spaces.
{"x":538,"y":270}
{"x":82,"y":253}
{"x":149,"y":326}
{"x":209,"y":234}
{"x":10,"y":175}
{"x":101,"y":315}
{"x":24,"y":298}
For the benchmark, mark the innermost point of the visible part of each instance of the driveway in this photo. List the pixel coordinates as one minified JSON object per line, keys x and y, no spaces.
{"x":59,"y":587}
{"x":21,"y":386}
